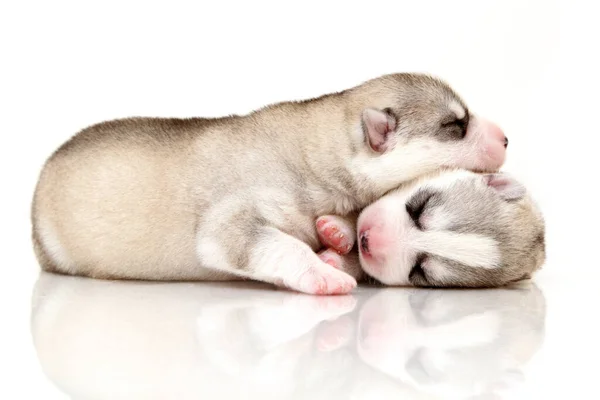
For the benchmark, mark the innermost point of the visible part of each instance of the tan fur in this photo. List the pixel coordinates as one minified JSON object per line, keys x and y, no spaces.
{"x":134,"y":198}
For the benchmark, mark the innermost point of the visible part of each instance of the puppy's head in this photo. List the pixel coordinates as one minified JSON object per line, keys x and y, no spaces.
{"x":453,"y":229}
{"x":413,"y":124}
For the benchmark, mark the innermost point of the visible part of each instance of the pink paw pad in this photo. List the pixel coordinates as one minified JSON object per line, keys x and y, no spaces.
{"x":335,"y":234}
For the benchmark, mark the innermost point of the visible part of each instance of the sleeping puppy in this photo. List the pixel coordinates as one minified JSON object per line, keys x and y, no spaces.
{"x":453,"y":228}
{"x":236,"y":197}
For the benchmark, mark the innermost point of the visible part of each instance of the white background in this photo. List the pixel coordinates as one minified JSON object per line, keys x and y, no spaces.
{"x":531,"y":66}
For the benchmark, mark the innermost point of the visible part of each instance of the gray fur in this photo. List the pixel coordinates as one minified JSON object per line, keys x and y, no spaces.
{"x":463,"y":204}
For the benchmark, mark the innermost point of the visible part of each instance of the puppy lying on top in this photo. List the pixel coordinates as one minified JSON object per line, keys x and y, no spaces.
{"x":454,"y":228}
{"x":237,"y":197}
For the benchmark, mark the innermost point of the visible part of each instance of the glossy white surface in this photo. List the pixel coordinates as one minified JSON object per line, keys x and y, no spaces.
{"x":124,"y":340}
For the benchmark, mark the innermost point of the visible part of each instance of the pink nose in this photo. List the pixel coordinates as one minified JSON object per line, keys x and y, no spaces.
{"x":375,"y":237}
{"x":495,"y":133}
{"x":374,"y":243}
{"x":494,"y":143}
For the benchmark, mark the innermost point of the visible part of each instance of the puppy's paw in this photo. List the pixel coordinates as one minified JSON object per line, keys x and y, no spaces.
{"x":323,"y":279}
{"x":333,"y":258}
{"x":336,"y":233}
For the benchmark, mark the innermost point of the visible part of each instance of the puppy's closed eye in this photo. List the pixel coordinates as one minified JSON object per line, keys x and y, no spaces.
{"x":417,"y":275}
{"x":456,"y":127}
{"x":417,"y":205}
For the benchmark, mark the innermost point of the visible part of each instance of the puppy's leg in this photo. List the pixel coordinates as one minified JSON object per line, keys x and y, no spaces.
{"x":349,"y":263}
{"x":337,"y":233}
{"x":294,"y":264}
{"x":267,"y":254}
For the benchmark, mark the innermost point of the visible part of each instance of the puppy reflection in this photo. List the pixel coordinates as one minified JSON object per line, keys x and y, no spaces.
{"x":453,"y":343}
{"x":126,"y":340}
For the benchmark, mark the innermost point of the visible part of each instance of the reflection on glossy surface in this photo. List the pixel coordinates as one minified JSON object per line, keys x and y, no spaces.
{"x":131,"y":340}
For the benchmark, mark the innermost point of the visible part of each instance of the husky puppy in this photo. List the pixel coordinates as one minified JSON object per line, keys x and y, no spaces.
{"x":452,"y":228}
{"x":237,"y":197}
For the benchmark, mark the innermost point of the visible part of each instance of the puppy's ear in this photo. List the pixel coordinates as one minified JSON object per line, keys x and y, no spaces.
{"x":507,"y":187}
{"x":378,"y":126}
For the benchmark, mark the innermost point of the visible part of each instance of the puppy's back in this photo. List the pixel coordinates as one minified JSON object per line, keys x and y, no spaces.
{"x":125,"y":177}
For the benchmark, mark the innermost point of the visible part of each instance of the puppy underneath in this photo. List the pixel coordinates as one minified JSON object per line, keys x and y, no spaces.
{"x":237,"y":197}
{"x":451,"y":229}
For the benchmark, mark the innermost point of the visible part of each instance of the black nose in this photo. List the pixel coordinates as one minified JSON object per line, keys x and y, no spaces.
{"x":505,"y":142}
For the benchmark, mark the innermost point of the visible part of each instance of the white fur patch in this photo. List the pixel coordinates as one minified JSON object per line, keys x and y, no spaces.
{"x":457,"y":109}
{"x":447,"y":179}
{"x":212,"y":255}
{"x":473,"y":250}
{"x":280,"y":256}
{"x":53,"y":247}
{"x":440,"y":221}
{"x":402,"y":164}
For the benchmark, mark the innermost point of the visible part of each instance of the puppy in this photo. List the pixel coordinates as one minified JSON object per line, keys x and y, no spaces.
{"x":453,"y":228}
{"x":237,"y":197}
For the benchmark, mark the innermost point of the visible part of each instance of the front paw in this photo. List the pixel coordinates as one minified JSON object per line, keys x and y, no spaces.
{"x":336,"y":233}
{"x":333,"y":258}
{"x":324,"y":279}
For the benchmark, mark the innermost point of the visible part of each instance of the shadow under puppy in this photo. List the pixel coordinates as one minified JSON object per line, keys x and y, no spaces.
{"x":453,"y":228}
{"x":237,"y":197}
